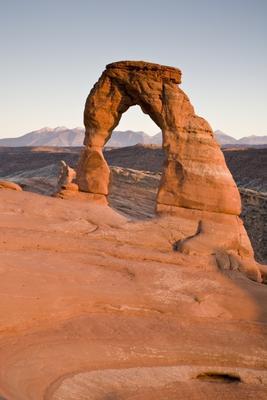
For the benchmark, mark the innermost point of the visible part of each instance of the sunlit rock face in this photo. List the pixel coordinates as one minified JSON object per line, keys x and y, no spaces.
{"x":196,"y":184}
{"x":195,"y":175}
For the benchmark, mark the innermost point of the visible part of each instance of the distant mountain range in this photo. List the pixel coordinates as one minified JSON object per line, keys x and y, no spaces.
{"x":253,"y":140}
{"x":64,"y":137}
{"x":59,"y":136}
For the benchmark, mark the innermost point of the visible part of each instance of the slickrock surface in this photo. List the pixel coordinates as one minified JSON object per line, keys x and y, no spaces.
{"x":195,"y":175}
{"x":96,"y":306}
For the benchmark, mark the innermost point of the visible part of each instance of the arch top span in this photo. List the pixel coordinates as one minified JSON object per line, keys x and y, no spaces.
{"x":164,"y":71}
{"x":195,"y":174}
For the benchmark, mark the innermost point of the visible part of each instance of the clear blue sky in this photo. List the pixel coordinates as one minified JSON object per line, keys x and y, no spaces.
{"x":52,"y":52}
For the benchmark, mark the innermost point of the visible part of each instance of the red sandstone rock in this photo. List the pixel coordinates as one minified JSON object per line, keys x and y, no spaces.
{"x":66,"y":175}
{"x":10,"y":185}
{"x":196,"y":183}
{"x":195,"y":174}
{"x":94,"y":306}
{"x":93,"y":172}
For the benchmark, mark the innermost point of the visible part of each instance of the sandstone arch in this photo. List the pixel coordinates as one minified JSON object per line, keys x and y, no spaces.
{"x":195,"y":175}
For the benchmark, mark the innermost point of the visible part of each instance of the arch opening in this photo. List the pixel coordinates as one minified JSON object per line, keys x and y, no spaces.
{"x":136,"y":120}
{"x":134,"y":127}
{"x":135,"y":159}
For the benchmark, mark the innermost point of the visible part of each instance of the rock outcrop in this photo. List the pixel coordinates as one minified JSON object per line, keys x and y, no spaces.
{"x":10,"y":185}
{"x":195,"y":175}
{"x":66,"y":174}
{"x":196,"y":184}
{"x":67,"y":188}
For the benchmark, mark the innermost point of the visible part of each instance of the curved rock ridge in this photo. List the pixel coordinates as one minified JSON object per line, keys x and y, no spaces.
{"x":10,"y":186}
{"x":195,"y":175}
{"x":145,"y":383}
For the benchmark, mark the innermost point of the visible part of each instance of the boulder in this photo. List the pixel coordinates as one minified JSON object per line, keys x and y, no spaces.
{"x":66,"y":174}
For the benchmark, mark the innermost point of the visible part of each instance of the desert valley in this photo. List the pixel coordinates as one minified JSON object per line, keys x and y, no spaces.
{"x":136,"y":173}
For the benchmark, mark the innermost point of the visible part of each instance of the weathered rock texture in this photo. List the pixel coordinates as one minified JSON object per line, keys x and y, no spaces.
{"x":66,"y":175}
{"x":97,"y":307}
{"x":195,"y":174}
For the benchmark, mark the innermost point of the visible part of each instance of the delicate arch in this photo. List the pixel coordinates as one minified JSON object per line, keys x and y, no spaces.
{"x":195,"y":174}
